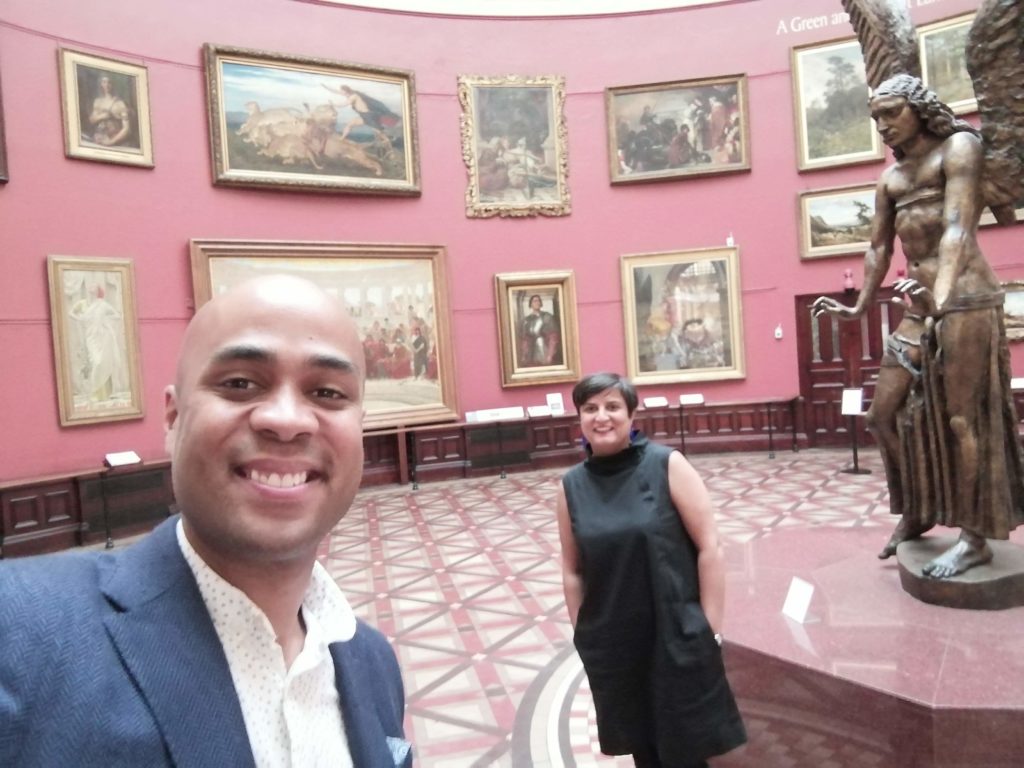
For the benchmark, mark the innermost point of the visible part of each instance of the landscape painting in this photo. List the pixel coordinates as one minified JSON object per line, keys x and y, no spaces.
{"x":836,"y":221}
{"x":830,"y":95}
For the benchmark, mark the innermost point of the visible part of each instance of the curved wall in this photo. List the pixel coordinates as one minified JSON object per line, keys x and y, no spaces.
{"x":54,"y":205}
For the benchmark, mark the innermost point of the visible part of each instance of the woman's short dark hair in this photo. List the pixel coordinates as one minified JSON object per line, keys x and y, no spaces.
{"x":596,"y":383}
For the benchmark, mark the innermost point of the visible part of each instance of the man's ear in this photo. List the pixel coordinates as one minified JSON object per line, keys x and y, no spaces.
{"x":170,"y":417}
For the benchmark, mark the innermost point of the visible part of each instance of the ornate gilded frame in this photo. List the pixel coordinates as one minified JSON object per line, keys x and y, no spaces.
{"x":521,"y":173}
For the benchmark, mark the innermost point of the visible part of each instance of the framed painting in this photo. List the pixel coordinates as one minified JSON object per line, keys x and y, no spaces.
{"x":397,"y":295}
{"x":942,"y":46}
{"x":95,"y":339}
{"x":515,"y":145}
{"x":988,"y":220}
{"x":683,"y":316}
{"x":675,"y":130}
{"x":537,"y":327}
{"x":297,"y":123}
{"x":1013,"y":309}
{"x":105,"y":104}
{"x":836,"y":221}
{"x":830,"y":98}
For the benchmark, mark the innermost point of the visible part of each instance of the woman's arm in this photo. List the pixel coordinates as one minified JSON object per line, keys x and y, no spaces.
{"x":572,"y":580}
{"x":691,"y":498}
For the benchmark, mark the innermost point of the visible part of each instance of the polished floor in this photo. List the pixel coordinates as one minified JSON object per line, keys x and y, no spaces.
{"x":464,"y":578}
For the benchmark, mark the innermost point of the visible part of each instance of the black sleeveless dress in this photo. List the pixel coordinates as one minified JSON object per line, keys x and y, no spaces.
{"x":654,"y":667}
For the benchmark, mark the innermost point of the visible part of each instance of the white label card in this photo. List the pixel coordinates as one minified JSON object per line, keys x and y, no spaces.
{"x":798,"y":599}
{"x":853,"y":402}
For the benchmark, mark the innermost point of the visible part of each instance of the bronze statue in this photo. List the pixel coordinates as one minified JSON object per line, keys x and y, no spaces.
{"x":943,"y":412}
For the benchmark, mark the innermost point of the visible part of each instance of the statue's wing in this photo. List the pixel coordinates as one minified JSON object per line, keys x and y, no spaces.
{"x":995,"y":59}
{"x":887,"y":38}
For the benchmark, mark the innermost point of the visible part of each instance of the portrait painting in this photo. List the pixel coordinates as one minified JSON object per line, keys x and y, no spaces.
{"x":836,"y":221}
{"x":537,"y":327}
{"x":683,"y":316}
{"x":105,"y":105}
{"x":675,"y":130}
{"x":297,"y":123}
{"x":95,"y":339}
{"x":830,"y":97}
{"x":943,"y":64}
{"x":515,"y":146}
{"x":1013,"y":309}
{"x":397,"y":295}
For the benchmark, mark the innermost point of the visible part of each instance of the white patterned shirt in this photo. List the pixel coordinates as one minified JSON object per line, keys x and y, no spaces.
{"x":292,"y":716}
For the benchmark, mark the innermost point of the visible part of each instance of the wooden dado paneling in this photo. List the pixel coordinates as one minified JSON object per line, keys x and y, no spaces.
{"x":47,"y":514}
{"x":39,"y":518}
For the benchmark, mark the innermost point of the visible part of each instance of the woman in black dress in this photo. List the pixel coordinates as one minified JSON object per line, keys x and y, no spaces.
{"x":644,"y":585}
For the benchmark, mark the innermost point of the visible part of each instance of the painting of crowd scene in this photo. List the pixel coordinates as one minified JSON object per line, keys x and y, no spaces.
{"x":281,"y":121}
{"x":831,"y":100}
{"x":836,"y":221}
{"x":394,"y":298}
{"x":683,"y":316}
{"x":674,"y":130}
{"x":514,"y":144}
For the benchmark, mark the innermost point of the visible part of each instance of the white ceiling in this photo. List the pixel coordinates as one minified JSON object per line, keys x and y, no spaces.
{"x":524,"y":8}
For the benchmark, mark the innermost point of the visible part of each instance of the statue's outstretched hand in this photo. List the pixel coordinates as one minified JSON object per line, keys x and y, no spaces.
{"x":921,"y":296}
{"x":827,"y":305}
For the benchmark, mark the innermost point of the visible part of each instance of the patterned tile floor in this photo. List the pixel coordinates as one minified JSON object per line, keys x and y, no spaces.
{"x":464,"y":578}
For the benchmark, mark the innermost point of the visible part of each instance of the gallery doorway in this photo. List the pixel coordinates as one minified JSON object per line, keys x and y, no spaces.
{"x":834,"y":355}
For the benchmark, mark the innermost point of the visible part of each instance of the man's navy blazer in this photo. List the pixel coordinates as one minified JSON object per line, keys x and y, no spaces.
{"x":111,"y":659}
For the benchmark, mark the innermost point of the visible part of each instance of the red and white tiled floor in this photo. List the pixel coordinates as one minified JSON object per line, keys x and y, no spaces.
{"x":464,"y":578}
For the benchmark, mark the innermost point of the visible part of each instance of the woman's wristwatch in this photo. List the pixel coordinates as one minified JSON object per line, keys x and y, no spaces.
{"x":718,"y":639}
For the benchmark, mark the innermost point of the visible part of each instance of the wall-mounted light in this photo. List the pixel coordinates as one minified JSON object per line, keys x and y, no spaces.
{"x":848,"y":286}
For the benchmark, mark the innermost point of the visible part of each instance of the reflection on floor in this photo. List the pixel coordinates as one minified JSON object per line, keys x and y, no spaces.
{"x":464,"y":579}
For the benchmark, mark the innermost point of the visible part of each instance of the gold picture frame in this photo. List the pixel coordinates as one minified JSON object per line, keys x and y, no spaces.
{"x":537,"y":327}
{"x":105,"y":107}
{"x":95,"y":339}
{"x":392,"y":291}
{"x":1013,"y":309}
{"x":667,"y":131}
{"x":515,"y":145}
{"x":301,"y":123}
{"x":836,"y":221}
{"x":830,"y":101}
{"x":683,"y":316}
{"x":942,"y":47}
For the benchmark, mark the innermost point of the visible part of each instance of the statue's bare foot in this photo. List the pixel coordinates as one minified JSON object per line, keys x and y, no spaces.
{"x":904,"y":532}
{"x":969,"y":551}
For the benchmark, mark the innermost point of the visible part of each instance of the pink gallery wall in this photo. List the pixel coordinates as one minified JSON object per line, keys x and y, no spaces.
{"x":55,"y":205}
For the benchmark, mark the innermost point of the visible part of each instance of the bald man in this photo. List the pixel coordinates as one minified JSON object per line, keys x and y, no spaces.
{"x":218,"y":640}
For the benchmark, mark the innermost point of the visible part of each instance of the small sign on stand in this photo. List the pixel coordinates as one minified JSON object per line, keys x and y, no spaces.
{"x":852,"y":406}
{"x":111,"y":463}
{"x":555,"y":403}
